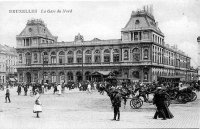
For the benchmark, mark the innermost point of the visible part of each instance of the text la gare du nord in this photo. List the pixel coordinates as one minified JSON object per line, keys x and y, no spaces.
{"x":56,"y":11}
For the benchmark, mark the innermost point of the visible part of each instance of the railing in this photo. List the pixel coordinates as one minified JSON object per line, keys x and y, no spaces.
{"x":69,"y":44}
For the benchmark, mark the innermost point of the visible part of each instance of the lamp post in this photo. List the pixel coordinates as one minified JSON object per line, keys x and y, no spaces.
{"x":43,"y":69}
{"x":82,"y":59}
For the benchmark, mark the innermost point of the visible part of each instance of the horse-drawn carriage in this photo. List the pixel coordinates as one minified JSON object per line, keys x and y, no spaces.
{"x":127,"y":88}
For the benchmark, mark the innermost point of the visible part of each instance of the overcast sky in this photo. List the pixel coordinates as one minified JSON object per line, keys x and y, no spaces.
{"x":179,"y":20}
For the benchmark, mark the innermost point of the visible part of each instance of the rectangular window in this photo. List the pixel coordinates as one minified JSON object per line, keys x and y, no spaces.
{"x":79,"y":60}
{"x":106,"y":59}
{"x":116,"y":58}
{"x":88,"y":59}
{"x":35,"y":58}
{"x":20,"y":58}
{"x":136,"y":36}
{"x":70,"y":60}
{"x":97,"y":59}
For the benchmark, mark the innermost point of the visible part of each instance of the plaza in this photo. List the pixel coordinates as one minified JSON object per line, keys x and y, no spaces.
{"x":75,"y":109}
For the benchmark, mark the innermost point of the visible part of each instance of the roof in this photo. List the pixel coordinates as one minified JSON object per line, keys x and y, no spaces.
{"x":7,"y":50}
{"x":145,"y":21}
{"x":36,"y":27}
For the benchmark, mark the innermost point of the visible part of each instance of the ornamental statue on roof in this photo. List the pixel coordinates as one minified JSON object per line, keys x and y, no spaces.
{"x":79,"y":38}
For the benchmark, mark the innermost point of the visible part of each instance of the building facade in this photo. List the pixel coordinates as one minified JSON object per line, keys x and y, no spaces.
{"x":8,"y":61}
{"x":140,"y":54}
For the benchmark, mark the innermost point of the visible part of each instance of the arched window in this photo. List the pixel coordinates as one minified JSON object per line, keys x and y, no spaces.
{"x":135,"y":74}
{"x":87,"y":75}
{"x":146,"y":76}
{"x":61,"y":57}
{"x":88,"y":56}
{"x":136,"y":55}
{"x":70,"y":76}
{"x":79,"y":76}
{"x":70,"y":57}
{"x":45,"y":76}
{"x":28,"y":58}
{"x":35,"y":77}
{"x":62,"y":77}
{"x":146,"y":54}
{"x":107,"y":56}
{"x":45,"y":58}
{"x":79,"y":56}
{"x":35,"y":58}
{"x":126,"y":55}
{"x":20,"y":58}
{"x":20,"y":77}
{"x":53,"y":77}
{"x":53,"y":57}
{"x":97,"y":56}
{"x":116,"y":55}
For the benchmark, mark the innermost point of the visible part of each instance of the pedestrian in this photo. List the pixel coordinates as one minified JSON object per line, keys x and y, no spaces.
{"x":7,"y":95}
{"x":55,"y":89}
{"x":37,"y":105}
{"x":19,"y":90}
{"x":25,"y":90}
{"x":59,"y":88}
{"x":89,"y":88}
{"x":116,"y":103}
{"x":160,"y":101}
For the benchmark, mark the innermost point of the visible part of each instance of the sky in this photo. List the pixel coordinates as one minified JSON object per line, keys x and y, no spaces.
{"x":179,"y":20}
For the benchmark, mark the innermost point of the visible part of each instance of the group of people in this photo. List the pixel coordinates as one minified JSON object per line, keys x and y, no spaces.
{"x":159,"y":99}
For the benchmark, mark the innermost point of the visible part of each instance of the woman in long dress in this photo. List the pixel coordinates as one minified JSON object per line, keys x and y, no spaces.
{"x":59,"y":89}
{"x":37,"y":106}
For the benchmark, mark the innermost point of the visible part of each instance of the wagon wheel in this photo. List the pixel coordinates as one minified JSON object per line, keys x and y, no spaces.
{"x":193,"y":96}
{"x":136,"y":103}
{"x":183,"y":98}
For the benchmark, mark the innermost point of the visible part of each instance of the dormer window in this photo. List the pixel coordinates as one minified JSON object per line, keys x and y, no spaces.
{"x":30,"y":29}
{"x":137,"y":22}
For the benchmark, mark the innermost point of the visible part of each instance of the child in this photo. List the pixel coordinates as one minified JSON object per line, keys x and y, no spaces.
{"x":37,"y":106}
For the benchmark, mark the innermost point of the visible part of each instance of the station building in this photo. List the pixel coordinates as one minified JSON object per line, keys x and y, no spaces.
{"x":140,"y":54}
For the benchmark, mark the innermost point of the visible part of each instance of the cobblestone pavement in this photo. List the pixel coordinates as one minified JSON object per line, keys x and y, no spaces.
{"x":76,"y":109}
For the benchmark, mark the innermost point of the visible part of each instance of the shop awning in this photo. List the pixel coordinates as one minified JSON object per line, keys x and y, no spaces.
{"x":171,"y":76}
{"x":104,"y":73}
{"x":12,"y":79}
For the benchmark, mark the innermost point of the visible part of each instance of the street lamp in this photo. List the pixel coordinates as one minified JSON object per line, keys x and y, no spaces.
{"x":82,"y":59}
{"x":43,"y":69}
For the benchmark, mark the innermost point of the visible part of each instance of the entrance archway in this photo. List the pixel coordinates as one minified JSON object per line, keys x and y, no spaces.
{"x":28,"y":77}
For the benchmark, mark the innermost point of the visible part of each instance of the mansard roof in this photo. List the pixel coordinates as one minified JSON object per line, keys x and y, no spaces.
{"x":36,"y":28}
{"x":142,"y":20}
{"x":4,"y":49}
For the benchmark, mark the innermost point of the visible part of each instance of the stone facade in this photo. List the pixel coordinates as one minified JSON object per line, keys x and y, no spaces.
{"x":8,"y":61}
{"x":140,"y":54}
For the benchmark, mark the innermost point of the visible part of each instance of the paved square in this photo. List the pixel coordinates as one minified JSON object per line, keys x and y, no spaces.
{"x":76,"y":109}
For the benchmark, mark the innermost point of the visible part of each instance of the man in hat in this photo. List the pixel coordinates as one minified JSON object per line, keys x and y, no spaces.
{"x":160,"y":101}
{"x":116,"y":103}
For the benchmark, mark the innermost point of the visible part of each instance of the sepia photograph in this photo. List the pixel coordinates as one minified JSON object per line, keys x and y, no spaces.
{"x":108,"y":64}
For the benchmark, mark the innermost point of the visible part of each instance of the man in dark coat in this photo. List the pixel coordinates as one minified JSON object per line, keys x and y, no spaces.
{"x":7,"y":95}
{"x":19,"y":90}
{"x":116,"y":103}
{"x":160,"y":101}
